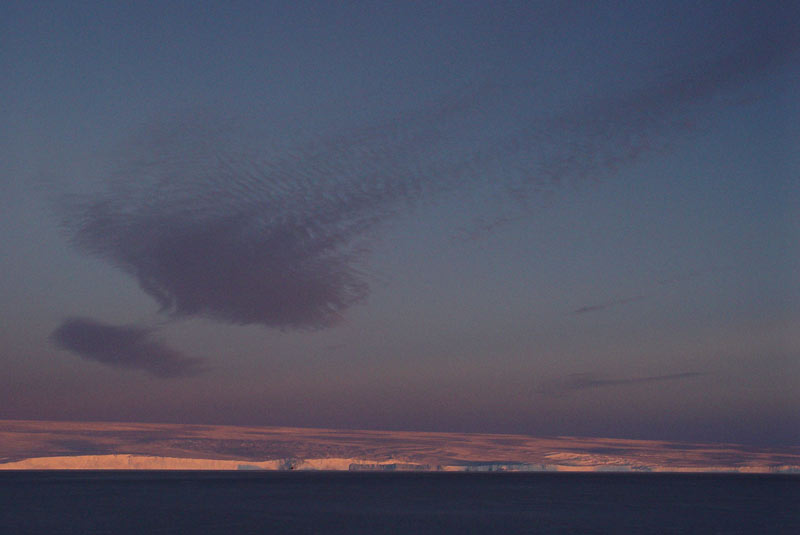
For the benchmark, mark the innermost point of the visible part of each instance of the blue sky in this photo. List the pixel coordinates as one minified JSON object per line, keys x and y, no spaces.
{"x":544,"y":219}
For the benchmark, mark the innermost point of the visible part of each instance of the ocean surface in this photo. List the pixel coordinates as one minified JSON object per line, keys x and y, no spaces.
{"x":320,"y":502}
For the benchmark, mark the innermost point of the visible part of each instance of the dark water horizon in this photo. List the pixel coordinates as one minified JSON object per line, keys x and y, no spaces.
{"x":141,"y":502}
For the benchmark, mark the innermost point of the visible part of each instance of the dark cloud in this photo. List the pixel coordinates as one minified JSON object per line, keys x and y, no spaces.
{"x":213,"y":220}
{"x":607,"y":304}
{"x":583,"y":381}
{"x":122,"y":347}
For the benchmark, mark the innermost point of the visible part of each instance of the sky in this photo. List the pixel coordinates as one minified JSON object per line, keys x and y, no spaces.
{"x":549,"y":218}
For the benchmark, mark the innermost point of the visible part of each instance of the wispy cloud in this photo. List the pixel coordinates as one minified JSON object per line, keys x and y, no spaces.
{"x":692,"y":275}
{"x":123,"y":347}
{"x":607,"y":304}
{"x":677,"y":278}
{"x":583,"y":381}
{"x":213,"y":221}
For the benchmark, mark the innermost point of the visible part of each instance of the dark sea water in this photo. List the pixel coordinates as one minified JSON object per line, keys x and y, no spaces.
{"x":270,"y":502}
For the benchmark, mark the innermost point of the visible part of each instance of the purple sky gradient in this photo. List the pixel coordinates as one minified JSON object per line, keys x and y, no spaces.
{"x":552,"y":219}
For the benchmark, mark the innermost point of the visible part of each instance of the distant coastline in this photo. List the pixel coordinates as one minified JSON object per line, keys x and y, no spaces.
{"x":147,"y":462}
{"x":41,"y":445}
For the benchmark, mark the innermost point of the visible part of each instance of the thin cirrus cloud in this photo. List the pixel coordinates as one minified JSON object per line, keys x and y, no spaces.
{"x":674,"y":279}
{"x":678,"y":278}
{"x":584,"y":381}
{"x":607,"y":304}
{"x":216,"y":223}
{"x":132,"y":348}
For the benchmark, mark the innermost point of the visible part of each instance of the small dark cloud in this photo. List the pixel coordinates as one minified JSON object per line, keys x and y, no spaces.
{"x":607,"y":304}
{"x":122,"y":347}
{"x":583,"y":381}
